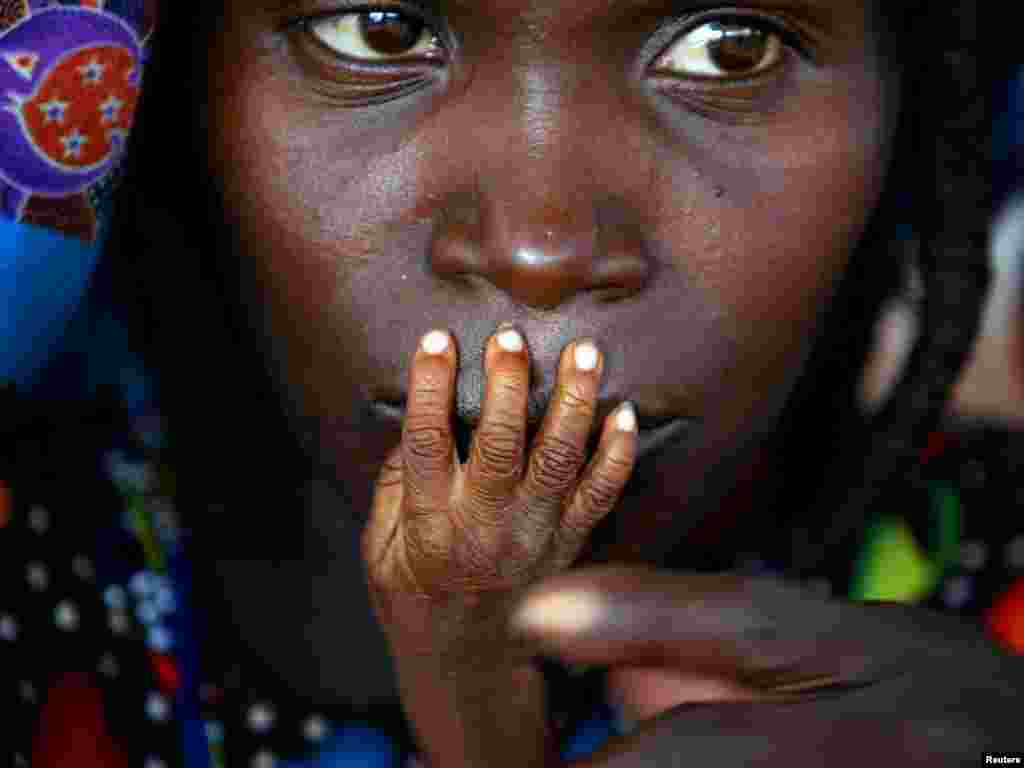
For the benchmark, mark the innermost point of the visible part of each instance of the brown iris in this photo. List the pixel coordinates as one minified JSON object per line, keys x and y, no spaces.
{"x":739,"y":47}
{"x":389,"y":32}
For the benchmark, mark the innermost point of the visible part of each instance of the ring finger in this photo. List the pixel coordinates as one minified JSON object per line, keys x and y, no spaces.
{"x":560,"y":448}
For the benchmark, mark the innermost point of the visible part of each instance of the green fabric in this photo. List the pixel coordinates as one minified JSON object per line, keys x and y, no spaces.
{"x":893,"y":565}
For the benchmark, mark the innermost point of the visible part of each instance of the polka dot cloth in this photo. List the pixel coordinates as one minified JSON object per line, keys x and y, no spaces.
{"x":103,"y":595}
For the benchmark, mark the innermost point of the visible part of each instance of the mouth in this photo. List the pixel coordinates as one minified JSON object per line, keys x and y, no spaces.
{"x":654,"y":434}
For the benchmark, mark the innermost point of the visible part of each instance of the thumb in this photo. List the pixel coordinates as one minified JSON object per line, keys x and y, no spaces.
{"x":765,"y":634}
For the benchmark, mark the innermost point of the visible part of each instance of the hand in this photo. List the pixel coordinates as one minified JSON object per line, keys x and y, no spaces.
{"x":449,"y":547}
{"x":784,"y":677}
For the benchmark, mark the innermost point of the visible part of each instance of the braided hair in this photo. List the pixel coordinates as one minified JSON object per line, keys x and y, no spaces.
{"x":941,"y":179}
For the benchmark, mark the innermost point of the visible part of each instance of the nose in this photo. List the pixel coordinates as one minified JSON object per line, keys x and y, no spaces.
{"x":543,"y":252}
{"x":545,"y":214}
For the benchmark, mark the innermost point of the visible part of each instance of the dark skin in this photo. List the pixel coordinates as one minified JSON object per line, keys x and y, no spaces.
{"x":545,"y":164}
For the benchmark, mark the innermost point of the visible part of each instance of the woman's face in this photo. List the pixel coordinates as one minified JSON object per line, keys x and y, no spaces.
{"x":684,"y":186}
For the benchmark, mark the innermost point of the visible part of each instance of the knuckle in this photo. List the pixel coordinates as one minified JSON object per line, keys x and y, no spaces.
{"x":576,"y":400}
{"x":600,"y":493}
{"x":499,"y":445}
{"x":428,"y":442}
{"x":512,"y":386}
{"x":616,"y":468}
{"x":555,"y":464}
{"x":428,"y":391}
{"x":486,"y":506}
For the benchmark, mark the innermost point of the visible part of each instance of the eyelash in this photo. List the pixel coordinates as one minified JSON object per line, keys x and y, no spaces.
{"x":770,"y":26}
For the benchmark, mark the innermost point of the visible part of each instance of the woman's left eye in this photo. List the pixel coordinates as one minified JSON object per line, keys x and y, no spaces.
{"x":376,"y":35}
{"x":720,"y":50}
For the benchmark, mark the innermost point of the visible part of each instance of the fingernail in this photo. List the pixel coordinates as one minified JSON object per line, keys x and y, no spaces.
{"x":573,"y":611}
{"x":625,"y":419}
{"x":510,"y":340}
{"x":586,"y":356}
{"x":435,"y":342}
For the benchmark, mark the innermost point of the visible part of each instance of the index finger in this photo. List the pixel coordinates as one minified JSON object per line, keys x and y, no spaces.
{"x":428,"y":444}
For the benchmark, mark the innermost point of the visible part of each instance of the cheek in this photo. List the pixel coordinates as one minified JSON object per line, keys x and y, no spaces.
{"x":771,"y":249}
{"x":263,"y":165}
{"x":309,"y":189}
{"x":290,"y":210}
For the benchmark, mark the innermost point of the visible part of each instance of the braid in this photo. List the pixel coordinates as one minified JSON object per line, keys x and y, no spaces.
{"x":946,"y":136}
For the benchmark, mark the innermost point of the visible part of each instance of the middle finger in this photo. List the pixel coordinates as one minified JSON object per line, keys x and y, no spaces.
{"x":496,"y":454}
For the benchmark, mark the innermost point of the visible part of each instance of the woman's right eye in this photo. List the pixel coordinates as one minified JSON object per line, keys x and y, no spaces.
{"x":376,"y":36}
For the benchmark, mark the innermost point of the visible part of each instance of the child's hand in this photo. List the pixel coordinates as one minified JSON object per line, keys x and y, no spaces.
{"x":449,"y":547}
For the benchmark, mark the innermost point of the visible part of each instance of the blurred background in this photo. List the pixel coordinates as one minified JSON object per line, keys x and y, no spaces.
{"x":59,"y":338}
{"x":992,"y":384}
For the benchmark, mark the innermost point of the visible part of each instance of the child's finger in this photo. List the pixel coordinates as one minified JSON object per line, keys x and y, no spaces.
{"x":602,"y":483}
{"x":560,"y":447}
{"x":428,"y":445}
{"x":496,"y":454}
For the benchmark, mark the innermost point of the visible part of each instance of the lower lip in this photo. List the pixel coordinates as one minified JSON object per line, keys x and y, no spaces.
{"x":651,"y":441}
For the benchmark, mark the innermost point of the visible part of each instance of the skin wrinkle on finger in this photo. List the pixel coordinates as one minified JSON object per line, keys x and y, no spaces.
{"x":496,"y":457}
{"x":542,"y":120}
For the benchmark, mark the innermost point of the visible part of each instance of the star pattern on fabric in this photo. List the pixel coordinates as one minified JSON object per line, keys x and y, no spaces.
{"x":92,"y":72}
{"x":110,"y":109}
{"x":54,"y":111}
{"x":73,"y":143}
{"x":61,"y":102}
{"x":22,"y":62}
